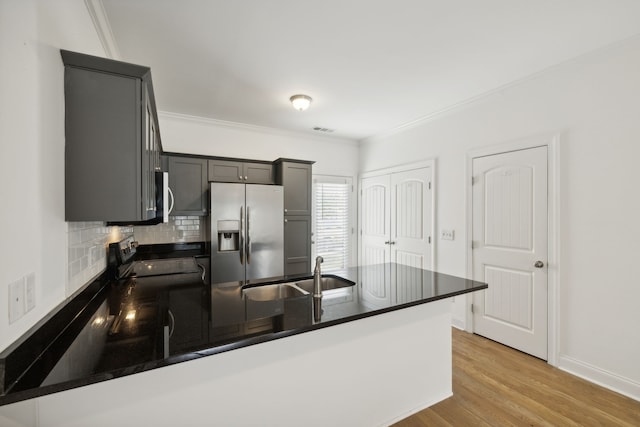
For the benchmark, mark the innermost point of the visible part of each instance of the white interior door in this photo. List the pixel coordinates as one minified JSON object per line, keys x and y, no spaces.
{"x":411,"y":218}
{"x":510,"y":248}
{"x":375,"y":232}
{"x":396,"y":222}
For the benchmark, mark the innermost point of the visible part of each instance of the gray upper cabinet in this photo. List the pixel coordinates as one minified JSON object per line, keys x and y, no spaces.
{"x":238,"y":171}
{"x":188,"y":183}
{"x":258,"y":173}
{"x":112,"y":149}
{"x":295,"y":176}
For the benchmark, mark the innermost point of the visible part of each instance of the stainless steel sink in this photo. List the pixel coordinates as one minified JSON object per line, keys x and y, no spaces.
{"x":273,"y":292}
{"x":273,"y":300}
{"x":328,"y":284}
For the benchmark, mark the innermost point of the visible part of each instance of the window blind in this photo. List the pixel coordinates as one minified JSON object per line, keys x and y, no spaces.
{"x":332,"y":229}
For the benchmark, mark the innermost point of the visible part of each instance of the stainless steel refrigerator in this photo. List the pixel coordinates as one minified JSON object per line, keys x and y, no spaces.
{"x":247,"y":232}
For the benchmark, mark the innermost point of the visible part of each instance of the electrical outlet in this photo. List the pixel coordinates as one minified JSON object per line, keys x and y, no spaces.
{"x":16,"y":300}
{"x":30,"y":292}
{"x":447,"y":234}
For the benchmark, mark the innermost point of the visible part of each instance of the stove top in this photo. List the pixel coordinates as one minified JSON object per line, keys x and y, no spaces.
{"x":122,"y":262}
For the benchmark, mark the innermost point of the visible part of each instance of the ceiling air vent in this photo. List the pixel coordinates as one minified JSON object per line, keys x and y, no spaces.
{"x":319,"y":129}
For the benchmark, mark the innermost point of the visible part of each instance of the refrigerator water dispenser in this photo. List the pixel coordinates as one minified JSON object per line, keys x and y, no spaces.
{"x":228,"y":235}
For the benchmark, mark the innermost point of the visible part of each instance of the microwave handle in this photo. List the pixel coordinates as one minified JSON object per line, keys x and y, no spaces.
{"x":173,"y":199}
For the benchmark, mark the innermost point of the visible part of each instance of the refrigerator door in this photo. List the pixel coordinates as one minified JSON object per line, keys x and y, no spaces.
{"x":264,"y":231}
{"x":228,"y":256}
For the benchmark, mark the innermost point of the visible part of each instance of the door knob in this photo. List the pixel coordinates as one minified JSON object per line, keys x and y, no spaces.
{"x":538,"y":264}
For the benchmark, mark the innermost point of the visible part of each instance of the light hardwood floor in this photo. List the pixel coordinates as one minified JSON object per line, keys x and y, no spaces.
{"x":494,"y":385}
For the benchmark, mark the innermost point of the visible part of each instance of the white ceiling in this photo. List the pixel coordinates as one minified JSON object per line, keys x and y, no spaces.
{"x":370,"y":66}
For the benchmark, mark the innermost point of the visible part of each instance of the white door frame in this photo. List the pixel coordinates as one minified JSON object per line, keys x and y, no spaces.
{"x":430,"y":163}
{"x":552,"y":142}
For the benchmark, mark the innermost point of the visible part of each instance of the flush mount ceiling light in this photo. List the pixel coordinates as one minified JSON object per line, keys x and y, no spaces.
{"x":300,"y":102}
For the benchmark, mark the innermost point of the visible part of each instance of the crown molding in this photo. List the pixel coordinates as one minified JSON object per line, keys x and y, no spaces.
{"x":103,"y":28}
{"x":253,"y":128}
{"x":484,"y":95}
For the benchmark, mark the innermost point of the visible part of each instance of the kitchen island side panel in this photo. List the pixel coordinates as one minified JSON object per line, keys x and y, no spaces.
{"x":369,"y":372}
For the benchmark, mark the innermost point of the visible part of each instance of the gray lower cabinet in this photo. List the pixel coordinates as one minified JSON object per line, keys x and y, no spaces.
{"x":236,"y":171}
{"x":188,"y":184}
{"x":112,"y":148}
{"x":297,"y":245}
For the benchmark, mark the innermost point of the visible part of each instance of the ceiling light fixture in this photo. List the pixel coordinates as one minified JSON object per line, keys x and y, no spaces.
{"x":300,"y":102}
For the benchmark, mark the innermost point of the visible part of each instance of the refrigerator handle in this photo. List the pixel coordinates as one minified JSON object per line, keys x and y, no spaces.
{"x":248,"y":239}
{"x":241,"y":236}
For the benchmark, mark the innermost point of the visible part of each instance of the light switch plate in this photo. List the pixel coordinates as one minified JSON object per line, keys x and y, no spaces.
{"x":447,"y":234}
{"x":30,"y":292}
{"x":16,"y":300}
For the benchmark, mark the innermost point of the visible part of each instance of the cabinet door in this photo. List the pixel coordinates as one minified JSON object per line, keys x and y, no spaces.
{"x":103,"y":164}
{"x":296,"y":179}
{"x":188,"y":182}
{"x":297,"y":245}
{"x":226,"y":171}
{"x":258,"y":173}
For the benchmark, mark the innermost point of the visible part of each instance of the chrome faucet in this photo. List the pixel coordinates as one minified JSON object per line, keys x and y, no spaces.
{"x":317,"y":278}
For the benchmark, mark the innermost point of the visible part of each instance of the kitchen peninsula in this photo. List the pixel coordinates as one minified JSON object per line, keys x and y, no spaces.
{"x":380,"y":350}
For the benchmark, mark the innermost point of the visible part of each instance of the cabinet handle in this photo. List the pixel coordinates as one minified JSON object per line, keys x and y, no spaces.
{"x":246,"y":177}
{"x":203,"y":276}
{"x":387,"y":242}
{"x":286,"y":220}
{"x":240,"y":177}
{"x":172,"y":325}
{"x":285,"y":211}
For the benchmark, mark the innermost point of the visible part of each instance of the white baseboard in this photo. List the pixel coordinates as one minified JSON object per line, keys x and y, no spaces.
{"x":601,"y":377}
{"x":418,"y":409}
{"x":458,"y":323}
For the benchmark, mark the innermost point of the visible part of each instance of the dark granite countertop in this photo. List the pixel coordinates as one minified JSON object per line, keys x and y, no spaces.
{"x":118,"y":328}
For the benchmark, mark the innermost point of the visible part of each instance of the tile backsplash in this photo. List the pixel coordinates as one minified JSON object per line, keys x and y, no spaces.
{"x":179,"y":229}
{"x":87,"y":257}
{"x":88,"y":243}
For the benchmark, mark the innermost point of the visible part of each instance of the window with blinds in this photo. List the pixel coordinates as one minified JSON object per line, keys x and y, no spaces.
{"x":332,"y":221}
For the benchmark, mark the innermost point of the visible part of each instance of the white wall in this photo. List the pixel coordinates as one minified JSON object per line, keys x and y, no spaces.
{"x":594,"y":102}
{"x":34,"y":238}
{"x":186,"y":134}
